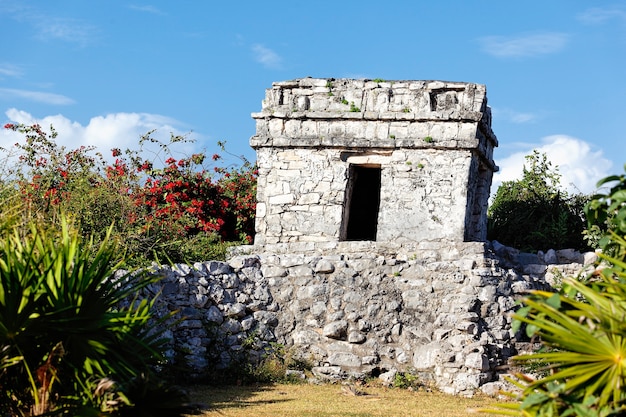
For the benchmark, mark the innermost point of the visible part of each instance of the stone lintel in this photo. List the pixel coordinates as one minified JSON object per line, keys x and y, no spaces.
{"x":466,"y":250}
{"x":462,"y":116}
{"x":358,"y":142}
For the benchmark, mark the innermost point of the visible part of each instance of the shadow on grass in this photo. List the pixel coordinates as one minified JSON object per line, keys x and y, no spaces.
{"x":215,"y":397}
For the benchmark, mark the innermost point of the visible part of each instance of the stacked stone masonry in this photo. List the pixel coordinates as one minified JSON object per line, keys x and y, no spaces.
{"x":441,"y":311}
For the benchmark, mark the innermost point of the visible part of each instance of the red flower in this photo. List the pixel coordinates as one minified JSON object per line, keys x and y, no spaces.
{"x":9,"y":126}
{"x":116,"y":152}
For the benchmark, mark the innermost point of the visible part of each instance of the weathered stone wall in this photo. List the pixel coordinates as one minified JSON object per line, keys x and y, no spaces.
{"x":362,"y":308}
{"x":421,"y":199}
{"x":301,"y":195}
{"x":432,"y":141}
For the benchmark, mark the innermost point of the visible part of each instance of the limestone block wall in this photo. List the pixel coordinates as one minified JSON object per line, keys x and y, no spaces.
{"x":439,"y":309}
{"x":443,"y":314}
{"x":301,"y":195}
{"x":431,"y":140}
{"x":424,"y":195}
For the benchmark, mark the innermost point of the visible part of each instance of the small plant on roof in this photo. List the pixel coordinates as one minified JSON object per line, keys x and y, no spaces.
{"x":429,"y":139}
{"x":354,"y":108}
{"x":329,"y":85}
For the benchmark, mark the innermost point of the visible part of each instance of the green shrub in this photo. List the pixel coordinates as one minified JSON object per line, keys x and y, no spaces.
{"x":71,"y":336}
{"x":533,"y":213}
{"x":406,"y":380}
{"x":275,"y":363}
{"x":606,"y":215}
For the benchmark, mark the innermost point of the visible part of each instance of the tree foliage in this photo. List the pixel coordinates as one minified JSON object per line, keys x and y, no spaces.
{"x":534,"y":213}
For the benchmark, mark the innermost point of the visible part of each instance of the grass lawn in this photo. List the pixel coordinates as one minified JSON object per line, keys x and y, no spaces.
{"x":331,"y":400}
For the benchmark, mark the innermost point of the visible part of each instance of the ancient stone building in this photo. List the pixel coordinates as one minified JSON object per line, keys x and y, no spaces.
{"x":371,"y":228}
{"x":370,"y":255}
{"x":385,"y":161}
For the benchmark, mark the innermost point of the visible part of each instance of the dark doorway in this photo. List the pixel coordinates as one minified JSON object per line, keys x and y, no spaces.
{"x":362,"y":203}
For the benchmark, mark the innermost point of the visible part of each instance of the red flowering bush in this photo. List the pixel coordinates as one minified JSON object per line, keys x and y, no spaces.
{"x":44,"y":171}
{"x":180,"y":209}
{"x":239,"y":187}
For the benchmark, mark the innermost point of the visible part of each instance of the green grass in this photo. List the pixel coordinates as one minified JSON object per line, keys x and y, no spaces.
{"x":307,"y":400}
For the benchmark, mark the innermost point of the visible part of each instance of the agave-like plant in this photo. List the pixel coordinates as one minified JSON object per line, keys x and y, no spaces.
{"x":583,"y":328}
{"x":63,"y":327}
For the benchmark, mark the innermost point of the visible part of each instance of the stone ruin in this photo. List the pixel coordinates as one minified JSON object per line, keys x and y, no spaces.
{"x":370,"y":256}
{"x":353,"y":160}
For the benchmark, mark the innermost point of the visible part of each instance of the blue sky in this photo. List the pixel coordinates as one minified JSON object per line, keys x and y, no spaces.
{"x":105,"y":71}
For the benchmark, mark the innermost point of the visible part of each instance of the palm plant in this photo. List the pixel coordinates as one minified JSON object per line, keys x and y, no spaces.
{"x":66,"y":325}
{"x":583,"y":328}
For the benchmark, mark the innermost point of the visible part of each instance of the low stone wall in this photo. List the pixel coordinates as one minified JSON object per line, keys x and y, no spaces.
{"x":439,"y":309}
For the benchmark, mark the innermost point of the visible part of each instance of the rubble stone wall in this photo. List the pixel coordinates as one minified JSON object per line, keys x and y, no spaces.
{"x":438,"y":309}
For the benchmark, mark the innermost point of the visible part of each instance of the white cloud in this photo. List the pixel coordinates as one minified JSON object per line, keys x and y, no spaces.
{"x":524,"y":45}
{"x":580,"y":166}
{"x":47,"y":26}
{"x":8,"y":70}
{"x":118,"y":130}
{"x":513,"y":116}
{"x":522,"y":117}
{"x":266,"y":57}
{"x":598,"y":15}
{"x":147,"y":9}
{"x":68,"y":30}
{"x":38,"y":96}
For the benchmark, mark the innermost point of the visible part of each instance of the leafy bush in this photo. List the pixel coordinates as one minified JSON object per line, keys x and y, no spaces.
{"x":161,"y":207}
{"x":583,"y":327}
{"x":272,"y":366}
{"x":606,"y":215}
{"x":275,"y":363}
{"x":407,"y":380}
{"x":533,"y":213}
{"x":72,"y":340}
